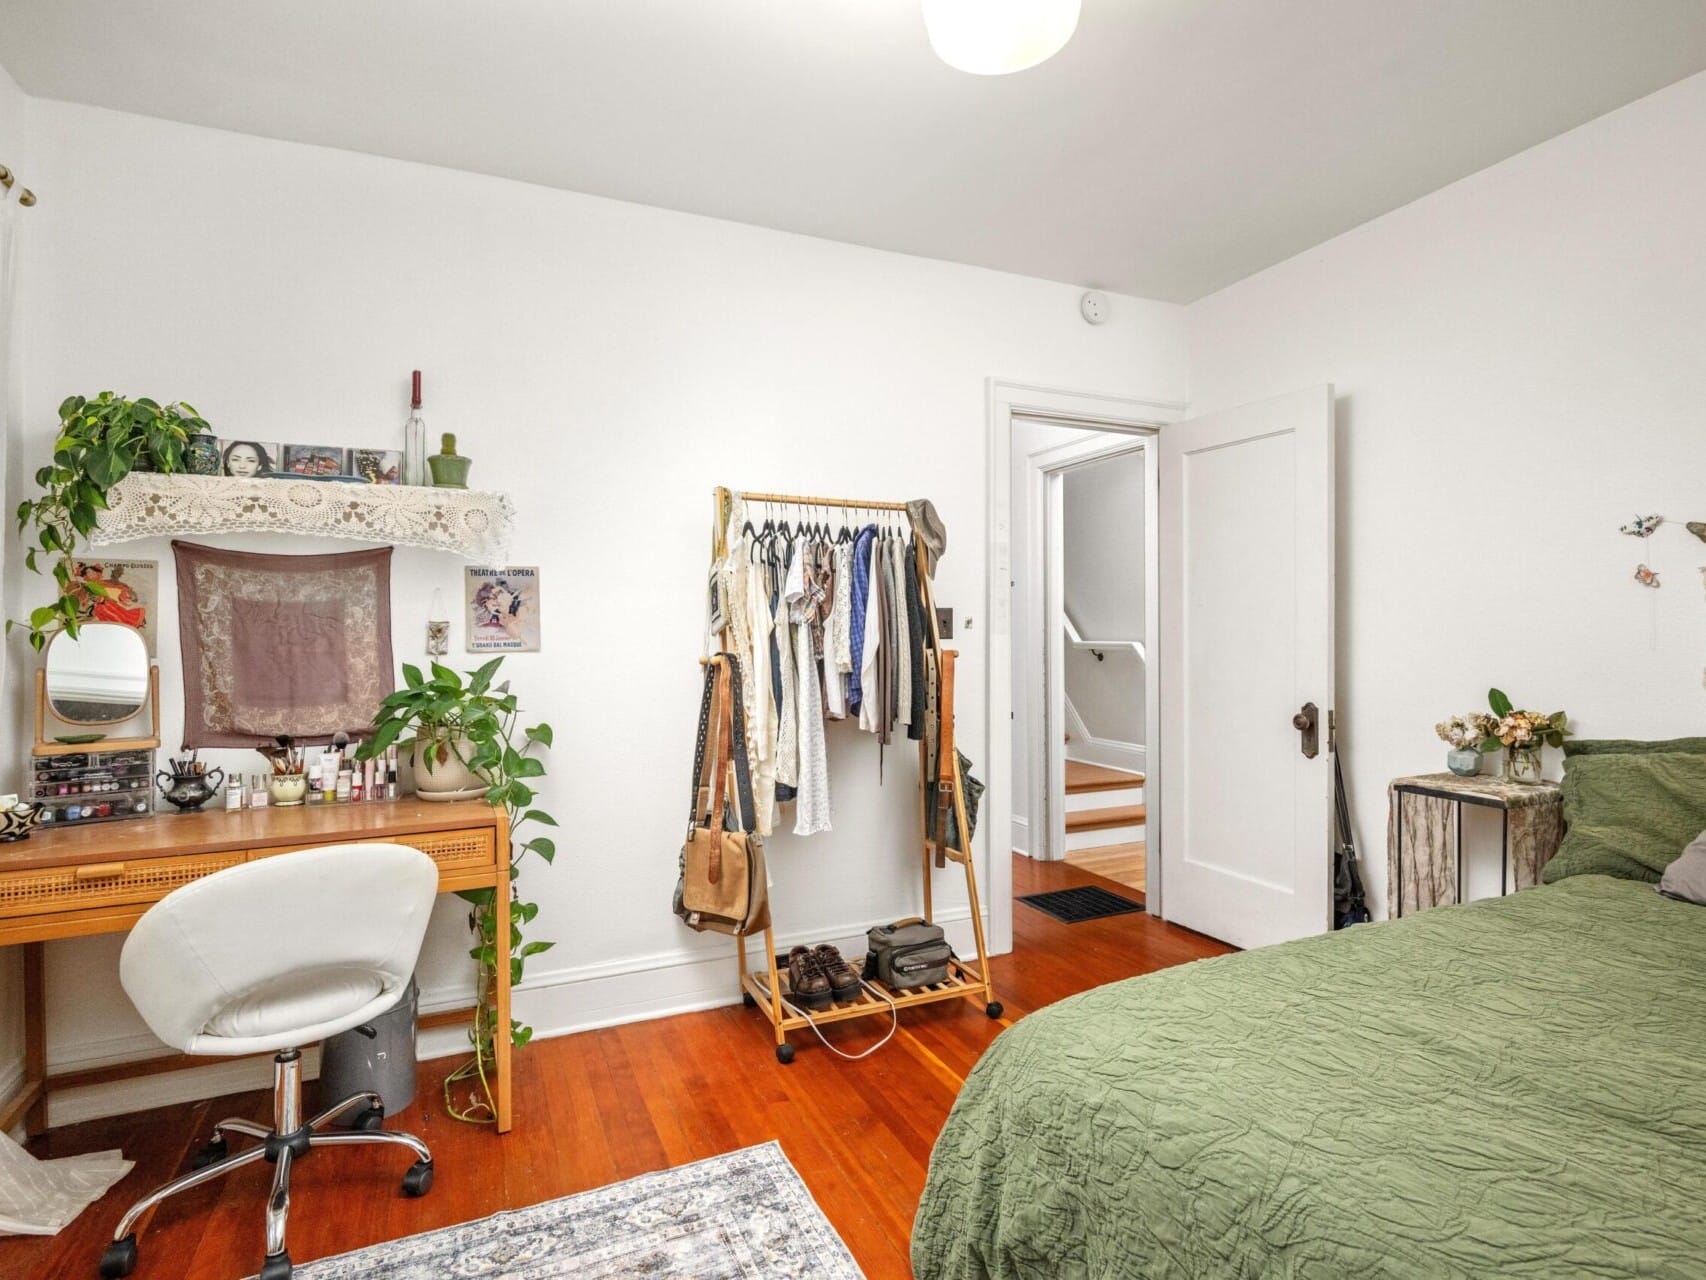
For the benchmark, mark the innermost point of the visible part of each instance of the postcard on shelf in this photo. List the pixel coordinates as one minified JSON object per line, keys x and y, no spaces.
{"x":122,"y":591}
{"x":316,"y":460}
{"x":377,"y":466}
{"x":503,"y":609}
{"x":248,"y":459}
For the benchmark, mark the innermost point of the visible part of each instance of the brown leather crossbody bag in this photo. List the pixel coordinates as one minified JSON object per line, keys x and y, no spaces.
{"x":723,"y":886}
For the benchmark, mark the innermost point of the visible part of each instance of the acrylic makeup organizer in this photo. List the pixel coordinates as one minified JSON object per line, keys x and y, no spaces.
{"x":767,"y":988}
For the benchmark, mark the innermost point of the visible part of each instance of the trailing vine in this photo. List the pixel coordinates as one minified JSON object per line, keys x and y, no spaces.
{"x":445,"y":714}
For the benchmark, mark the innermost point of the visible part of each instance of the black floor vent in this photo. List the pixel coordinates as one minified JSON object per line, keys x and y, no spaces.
{"x":1089,"y":902}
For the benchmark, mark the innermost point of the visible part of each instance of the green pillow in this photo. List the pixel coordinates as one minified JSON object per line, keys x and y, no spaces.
{"x":1633,"y":746}
{"x":1629,"y":816}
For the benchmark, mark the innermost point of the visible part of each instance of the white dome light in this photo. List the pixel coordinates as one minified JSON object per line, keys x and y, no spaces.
{"x":994,"y":37}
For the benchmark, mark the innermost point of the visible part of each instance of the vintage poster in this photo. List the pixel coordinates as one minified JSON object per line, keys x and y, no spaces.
{"x":125,"y":591}
{"x":503,"y":609}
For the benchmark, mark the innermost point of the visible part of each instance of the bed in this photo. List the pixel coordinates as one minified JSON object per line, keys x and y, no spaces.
{"x":1516,"y":1087}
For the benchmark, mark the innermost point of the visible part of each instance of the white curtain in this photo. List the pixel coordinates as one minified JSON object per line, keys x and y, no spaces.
{"x":37,"y":1197}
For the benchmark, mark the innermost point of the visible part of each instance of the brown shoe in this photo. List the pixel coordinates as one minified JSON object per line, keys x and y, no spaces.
{"x":843,"y":977}
{"x":807,"y":982}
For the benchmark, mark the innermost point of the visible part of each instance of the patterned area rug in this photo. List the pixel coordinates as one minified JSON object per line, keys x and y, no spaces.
{"x":733,"y":1217}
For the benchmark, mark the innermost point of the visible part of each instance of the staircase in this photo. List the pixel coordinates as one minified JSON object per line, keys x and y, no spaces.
{"x":1103,"y":806}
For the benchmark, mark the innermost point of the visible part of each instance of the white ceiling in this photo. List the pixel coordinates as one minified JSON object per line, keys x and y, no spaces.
{"x":1173,"y":147}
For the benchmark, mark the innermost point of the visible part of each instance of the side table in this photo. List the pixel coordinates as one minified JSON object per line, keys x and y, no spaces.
{"x":1424,"y":835}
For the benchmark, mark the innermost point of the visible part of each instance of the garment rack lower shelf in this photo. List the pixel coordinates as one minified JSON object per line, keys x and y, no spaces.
{"x":963,"y":981}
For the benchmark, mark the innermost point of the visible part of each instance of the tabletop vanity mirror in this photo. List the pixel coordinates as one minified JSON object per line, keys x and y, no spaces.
{"x":101,"y":676}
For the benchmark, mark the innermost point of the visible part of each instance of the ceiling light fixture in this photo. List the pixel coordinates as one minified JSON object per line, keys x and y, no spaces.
{"x":995,"y":37}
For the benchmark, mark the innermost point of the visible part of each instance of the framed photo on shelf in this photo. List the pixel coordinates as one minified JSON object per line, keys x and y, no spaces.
{"x":318,"y":460}
{"x":503,"y":609}
{"x":248,"y":459}
{"x":377,"y":466}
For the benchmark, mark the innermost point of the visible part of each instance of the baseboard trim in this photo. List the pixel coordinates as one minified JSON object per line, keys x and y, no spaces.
{"x":1021,"y":836}
{"x":557,"y":1002}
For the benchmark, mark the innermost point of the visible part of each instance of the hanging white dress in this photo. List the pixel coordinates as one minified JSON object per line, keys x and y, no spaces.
{"x":838,"y":637}
{"x":811,"y":809}
{"x":871,"y":713}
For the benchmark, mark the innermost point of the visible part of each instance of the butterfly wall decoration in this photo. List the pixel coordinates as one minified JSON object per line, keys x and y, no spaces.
{"x":1698,"y":529}
{"x":1643,"y":526}
{"x":1645,"y":576}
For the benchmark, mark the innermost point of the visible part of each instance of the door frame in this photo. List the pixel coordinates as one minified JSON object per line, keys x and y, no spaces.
{"x":1007,"y":401}
{"x":1041,"y":633}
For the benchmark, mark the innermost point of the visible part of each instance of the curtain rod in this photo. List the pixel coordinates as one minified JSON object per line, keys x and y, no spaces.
{"x":804,"y":500}
{"x":26,"y":197}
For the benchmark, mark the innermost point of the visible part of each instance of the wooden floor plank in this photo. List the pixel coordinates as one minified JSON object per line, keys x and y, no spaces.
{"x":1126,"y":864}
{"x":604,"y":1105}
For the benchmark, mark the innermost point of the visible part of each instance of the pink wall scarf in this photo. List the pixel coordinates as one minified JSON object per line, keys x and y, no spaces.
{"x":282,"y":644}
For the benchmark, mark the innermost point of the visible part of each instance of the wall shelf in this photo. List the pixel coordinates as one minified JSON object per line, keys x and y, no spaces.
{"x":474,"y":524}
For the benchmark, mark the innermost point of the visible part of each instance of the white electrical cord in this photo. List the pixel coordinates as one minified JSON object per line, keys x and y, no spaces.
{"x":894,"y":1021}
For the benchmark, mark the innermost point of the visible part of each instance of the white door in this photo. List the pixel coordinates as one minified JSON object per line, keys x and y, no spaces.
{"x":1246,"y":560}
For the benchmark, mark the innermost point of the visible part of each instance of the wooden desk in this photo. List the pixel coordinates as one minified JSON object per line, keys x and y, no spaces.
{"x":69,"y":882}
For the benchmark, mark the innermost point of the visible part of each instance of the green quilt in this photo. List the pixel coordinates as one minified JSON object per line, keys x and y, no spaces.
{"x":1516,"y":1087}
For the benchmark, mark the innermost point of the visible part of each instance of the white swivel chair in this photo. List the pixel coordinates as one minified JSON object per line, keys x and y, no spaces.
{"x":267,"y":957}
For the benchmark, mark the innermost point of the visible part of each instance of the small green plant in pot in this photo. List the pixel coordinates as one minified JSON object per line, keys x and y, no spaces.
{"x":446,"y":717}
{"x":100,"y":442}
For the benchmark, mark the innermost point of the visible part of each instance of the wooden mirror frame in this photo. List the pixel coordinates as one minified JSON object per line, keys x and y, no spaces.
{"x":45,"y":747}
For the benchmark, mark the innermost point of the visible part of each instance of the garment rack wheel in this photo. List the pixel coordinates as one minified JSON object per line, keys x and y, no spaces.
{"x":784,"y":1053}
{"x":993,"y":1009}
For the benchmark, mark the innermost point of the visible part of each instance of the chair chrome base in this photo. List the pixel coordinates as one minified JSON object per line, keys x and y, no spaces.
{"x":288,"y":1140}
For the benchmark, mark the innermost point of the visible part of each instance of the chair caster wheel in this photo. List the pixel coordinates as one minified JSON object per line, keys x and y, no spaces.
{"x":784,"y":1053}
{"x":212,"y":1152}
{"x":993,"y":1009}
{"x":368,"y":1119}
{"x":119,"y":1258}
{"x":747,"y":1001}
{"x":418,"y":1180}
{"x":276,"y":1267}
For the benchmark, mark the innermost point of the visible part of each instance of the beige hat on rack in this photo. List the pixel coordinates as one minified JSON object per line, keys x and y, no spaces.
{"x":932,"y":534}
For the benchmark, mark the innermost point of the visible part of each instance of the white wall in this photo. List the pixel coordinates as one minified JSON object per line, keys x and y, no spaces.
{"x":1103,"y":586}
{"x":1517,"y":363}
{"x":16,"y":153}
{"x":607,"y":364}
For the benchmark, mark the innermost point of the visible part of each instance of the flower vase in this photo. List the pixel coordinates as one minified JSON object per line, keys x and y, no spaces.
{"x":1465,"y":762}
{"x":1522,"y":764}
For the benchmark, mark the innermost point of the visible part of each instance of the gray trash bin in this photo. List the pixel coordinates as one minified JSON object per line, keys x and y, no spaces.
{"x":351,"y":1062}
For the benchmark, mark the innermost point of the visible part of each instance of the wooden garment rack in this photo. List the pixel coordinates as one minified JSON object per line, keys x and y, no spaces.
{"x":939,"y":782}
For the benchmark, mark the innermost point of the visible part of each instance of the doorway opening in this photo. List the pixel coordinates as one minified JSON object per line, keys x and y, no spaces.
{"x":1080,"y":593}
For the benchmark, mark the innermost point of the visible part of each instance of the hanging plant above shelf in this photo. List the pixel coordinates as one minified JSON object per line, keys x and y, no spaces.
{"x":100,"y":442}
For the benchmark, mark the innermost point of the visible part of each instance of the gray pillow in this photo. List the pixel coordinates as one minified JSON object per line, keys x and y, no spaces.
{"x":1686,"y":877}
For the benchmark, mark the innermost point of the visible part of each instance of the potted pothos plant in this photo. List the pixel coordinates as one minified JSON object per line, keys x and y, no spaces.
{"x":100,"y":442}
{"x":442,"y":716}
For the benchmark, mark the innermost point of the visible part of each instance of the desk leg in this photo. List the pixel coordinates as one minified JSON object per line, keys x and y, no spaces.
{"x":502,"y":1048}
{"x":35,"y":1034}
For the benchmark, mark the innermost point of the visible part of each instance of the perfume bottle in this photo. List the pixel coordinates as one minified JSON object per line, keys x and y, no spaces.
{"x":414,"y":438}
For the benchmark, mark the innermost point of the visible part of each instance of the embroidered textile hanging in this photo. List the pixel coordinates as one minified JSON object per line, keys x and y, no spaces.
{"x":282,"y":644}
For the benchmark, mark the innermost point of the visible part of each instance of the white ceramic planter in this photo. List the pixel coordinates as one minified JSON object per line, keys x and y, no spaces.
{"x":449,"y":779}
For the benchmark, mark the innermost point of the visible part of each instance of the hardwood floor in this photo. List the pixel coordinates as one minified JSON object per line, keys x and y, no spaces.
{"x":601,"y":1106}
{"x":1126,"y":864}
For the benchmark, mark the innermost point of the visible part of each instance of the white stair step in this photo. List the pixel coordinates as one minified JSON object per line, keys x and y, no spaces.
{"x":1079,"y":801}
{"x":1076,"y":840}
